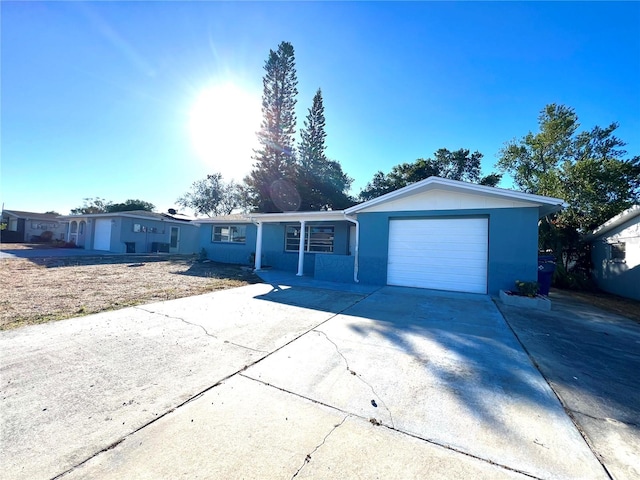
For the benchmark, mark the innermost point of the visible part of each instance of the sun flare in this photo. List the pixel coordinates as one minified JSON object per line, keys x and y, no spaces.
{"x":223,"y":123}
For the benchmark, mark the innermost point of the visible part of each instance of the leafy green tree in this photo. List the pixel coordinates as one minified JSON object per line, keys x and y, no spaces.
{"x":454,"y":165}
{"x":212,"y":196}
{"x":587,"y":170}
{"x":269,"y":185}
{"x":52,"y":212}
{"x":321,"y":182}
{"x":91,"y":205}
{"x":130,"y":206}
{"x":100,"y":205}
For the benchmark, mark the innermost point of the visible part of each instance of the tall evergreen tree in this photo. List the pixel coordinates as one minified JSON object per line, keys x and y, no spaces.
{"x":269,"y":185}
{"x":321,"y":182}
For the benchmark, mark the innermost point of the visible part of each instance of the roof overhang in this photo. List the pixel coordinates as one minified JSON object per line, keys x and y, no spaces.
{"x":225,"y":219}
{"x":614,"y":222}
{"x":324,"y":216}
{"x":546,"y":205}
{"x":157,"y":217}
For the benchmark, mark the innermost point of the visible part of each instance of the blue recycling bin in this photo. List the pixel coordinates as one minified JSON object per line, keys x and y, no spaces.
{"x":546,"y":267}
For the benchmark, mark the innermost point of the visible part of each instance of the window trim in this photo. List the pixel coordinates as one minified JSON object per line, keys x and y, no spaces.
{"x":621,"y":249}
{"x":308,"y":235}
{"x":230,"y":240}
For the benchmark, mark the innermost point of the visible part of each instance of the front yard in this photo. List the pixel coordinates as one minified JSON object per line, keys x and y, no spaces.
{"x":41,"y":290}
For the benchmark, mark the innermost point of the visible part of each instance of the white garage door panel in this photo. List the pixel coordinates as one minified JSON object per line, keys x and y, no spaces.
{"x":443,"y":254}
{"x":102,"y":239}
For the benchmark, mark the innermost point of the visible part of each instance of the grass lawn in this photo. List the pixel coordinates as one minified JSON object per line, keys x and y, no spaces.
{"x":46,"y":289}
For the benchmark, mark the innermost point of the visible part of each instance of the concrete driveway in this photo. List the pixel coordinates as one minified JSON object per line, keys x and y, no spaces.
{"x":266,"y":381}
{"x":591,"y":358}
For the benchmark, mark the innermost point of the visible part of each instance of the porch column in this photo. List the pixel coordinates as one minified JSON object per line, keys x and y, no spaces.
{"x":301,"y":250}
{"x":258,"y":259}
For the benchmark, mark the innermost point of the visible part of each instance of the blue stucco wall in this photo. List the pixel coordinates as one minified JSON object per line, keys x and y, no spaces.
{"x":334,"y":268}
{"x":619,"y":278}
{"x":273,"y":247}
{"x":122,"y":232}
{"x":235,"y":253}
{"x":513,"y":244}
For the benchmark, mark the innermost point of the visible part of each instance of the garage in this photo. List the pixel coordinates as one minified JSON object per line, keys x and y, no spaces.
{"x":440,"y":254}
{"x":102,"y":236}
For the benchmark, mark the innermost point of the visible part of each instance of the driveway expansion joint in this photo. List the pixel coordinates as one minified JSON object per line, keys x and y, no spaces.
{"x":393,"y":429}
{"x":358,"y":376}
{"x":604,"y":419}
{"x":309,"y":455}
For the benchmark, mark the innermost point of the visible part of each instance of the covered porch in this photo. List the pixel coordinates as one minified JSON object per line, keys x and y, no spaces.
{"x":321,"y":244}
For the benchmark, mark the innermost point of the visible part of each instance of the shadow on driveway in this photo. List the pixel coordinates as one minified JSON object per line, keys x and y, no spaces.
{"x":591,"y":358}
{"x":441,"y":366}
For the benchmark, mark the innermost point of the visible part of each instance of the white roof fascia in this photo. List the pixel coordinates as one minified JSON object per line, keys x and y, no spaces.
{"x":455,"y":185}
{"x":614,"y":222}
{"x":124,"y":214}
{"x":323,"y":216}
{"x":223,"y":220}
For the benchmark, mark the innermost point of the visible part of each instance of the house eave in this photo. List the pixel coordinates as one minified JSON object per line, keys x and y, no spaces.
{"x":546,"y":205}
{"x":614,"y":222}
{"x":157,"y":217}
{"x":325,"y":216}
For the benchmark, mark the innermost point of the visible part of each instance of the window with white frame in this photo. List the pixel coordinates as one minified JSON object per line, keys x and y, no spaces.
{"x":317,"y":238}
{"x":618,"y":251}
{"x":13,"y":225}
{"x":229,"y":233}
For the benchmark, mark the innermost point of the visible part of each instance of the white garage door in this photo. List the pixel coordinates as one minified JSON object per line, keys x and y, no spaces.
{"x":102,"y":238}
{"x":442,"y":254}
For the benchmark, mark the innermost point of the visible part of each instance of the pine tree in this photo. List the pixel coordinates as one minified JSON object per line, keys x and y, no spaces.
{"x":270,"y":183}
{"x":321,"y":182}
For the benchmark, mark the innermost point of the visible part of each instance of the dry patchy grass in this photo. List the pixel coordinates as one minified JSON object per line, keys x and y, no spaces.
{"x":42,"y":290}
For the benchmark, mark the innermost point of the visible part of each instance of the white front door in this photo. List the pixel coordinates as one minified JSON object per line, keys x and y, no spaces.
{"x":442,"y":254}
{"x":174,"y":246}
{"x":102,"y":236}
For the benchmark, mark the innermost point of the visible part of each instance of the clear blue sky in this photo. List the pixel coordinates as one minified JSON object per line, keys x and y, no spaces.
{"x":132,"y":99}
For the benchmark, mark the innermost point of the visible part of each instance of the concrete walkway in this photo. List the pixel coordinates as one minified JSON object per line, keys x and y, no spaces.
{"x":591,"y":358}
{"x":279,"y":381}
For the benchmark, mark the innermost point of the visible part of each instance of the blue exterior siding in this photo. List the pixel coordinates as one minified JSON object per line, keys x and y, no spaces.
{"x":513,"y":247}
{"x":235,"y":253}
{"x":513,"y":244}
{"x":619,"y":278}
{"x":335,"y":268}
{"x":274,"y":254}
{"x":122,"y":233}
{"x":273,"y":247}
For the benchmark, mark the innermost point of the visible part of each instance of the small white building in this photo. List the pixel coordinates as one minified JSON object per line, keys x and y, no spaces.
{"x":615,"y":252}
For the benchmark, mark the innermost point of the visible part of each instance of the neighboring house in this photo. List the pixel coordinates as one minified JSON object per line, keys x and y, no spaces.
{"x":134,"y":232}
{"x":27,"y":226}
{"x":437,"y":234}
{"x":615,"y":252}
